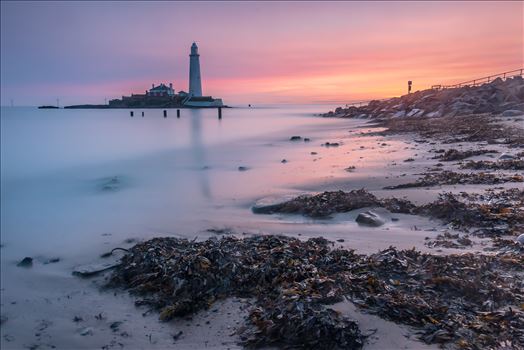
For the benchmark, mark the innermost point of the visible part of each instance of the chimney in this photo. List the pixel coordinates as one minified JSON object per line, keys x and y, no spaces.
{"x":152,"y":86}
{"x":170,"y":85}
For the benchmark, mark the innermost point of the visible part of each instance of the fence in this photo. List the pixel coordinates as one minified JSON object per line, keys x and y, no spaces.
{"x":480,"y":81}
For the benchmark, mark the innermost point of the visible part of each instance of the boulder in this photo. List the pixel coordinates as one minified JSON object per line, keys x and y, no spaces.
{"x":399,"y":114}
{"x":415,"y":112}
{"x":295,"y":138}
{"x":520,"y":239}
{"x":512,"y":113}
{"x":370,"y":218}
{"x":25,"y":262}
{"x":507,"y":156}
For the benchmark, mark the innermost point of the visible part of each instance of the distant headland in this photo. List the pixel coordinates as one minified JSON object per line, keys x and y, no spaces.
{"x":163,"y":95}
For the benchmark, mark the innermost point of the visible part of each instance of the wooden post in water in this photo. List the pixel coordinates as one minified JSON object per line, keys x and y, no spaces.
{"x":219,"y":112}
{"x":165,"y":113}
{"x":178,"y":113}
{"x":142,"y":113}
{"x":131,"y":113}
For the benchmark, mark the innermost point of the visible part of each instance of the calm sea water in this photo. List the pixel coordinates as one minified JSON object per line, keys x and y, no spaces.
{"x":76,"y":183}
{"x":70,"y":176}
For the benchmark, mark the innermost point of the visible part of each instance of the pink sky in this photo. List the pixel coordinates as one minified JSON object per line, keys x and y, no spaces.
{"x":253,"y":52}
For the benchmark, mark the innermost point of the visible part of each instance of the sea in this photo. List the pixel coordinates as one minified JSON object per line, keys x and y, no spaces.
{"x":76,"y":183}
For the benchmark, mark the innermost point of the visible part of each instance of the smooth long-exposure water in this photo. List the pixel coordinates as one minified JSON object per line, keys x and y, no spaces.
{"x":76,"y":183}
{"x":69,"y":176}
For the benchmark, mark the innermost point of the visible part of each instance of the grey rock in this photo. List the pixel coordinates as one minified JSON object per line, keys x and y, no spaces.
{"x":86,"y":331}
{"x":370,"y":218}
{"x":504,"y":156}
{"x":25,"y":262}
{"x":512,"y":113}
{"x":520,"y":239}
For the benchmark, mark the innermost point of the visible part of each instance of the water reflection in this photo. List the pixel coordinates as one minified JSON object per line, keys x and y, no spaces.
{"x":198,"y":151}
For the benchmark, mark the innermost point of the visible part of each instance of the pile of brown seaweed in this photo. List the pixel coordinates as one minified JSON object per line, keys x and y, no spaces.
{"x":454,"y":154}
{"x":468,"y":300}
{"x":453,"y":178}
{"x":286,"y":276}
{"x":493,"y":213}
{"x":330,"y":202}
{"x":510,"y":164}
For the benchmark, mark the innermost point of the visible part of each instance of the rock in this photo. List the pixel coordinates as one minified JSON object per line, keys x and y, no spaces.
{"x":504,"y":156}
{"x":243,"y":168}
{"x":295,"y":138}
{"x":115,"y":326}
{"x":331,"y":144}
{"x":399,"y":114}
{"x":86,"y":331}
{"x":307,"y":139}
{"x":370,"y":218}
{"x":283,"y":161}
{"x":52,"y":260}
{"x":512,"y":113}
{"x":25,"y":262}
{"x":520,"y":239}
{"x":110,"y":184}
{"x":415,"y":112}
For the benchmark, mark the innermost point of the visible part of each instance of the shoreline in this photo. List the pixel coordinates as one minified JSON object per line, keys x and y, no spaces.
{"x":423,"y":160}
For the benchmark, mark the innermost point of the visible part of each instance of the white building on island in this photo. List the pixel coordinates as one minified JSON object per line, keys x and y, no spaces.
{"x":161,"y":90}
{"x":195,"y":98}
{"x":195,"y":81}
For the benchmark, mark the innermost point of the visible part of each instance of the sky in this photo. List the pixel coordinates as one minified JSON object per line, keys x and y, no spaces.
{"x":252,"y":52}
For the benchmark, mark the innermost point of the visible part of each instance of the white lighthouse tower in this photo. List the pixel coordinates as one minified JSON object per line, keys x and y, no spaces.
{"x":195,"y":83}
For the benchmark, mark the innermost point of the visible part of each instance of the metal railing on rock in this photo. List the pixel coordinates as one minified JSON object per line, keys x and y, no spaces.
{"x":484,"y":80}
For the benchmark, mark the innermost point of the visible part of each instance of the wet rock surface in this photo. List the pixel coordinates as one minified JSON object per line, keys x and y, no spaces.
{"x":370,"y":218}
{"x":466,"y":300}
{"x":25,"y":262}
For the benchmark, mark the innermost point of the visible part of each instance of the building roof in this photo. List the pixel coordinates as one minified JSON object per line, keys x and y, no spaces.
{"x":161,"y":87}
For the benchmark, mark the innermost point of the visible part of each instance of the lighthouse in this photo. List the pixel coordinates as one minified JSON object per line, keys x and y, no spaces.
{"x":195,"y":83}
